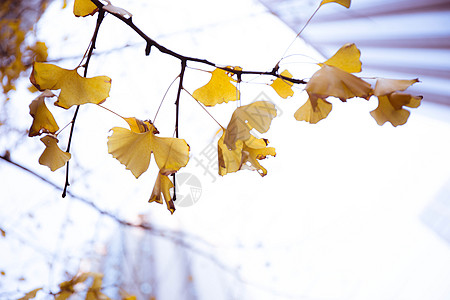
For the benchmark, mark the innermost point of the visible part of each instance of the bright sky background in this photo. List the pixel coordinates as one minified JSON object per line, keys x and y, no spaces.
{"x":340,"y":214}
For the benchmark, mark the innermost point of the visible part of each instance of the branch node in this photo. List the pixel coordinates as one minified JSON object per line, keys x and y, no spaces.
{"x":148,"y":48}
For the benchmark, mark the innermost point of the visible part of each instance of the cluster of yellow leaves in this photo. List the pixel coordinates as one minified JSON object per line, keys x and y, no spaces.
{"x":15,"y":56}
{"x":17,"y":19}
{"x":238,"y":148}
{"x":335,"y":79}
{"x":69,"y":288}
{"x":74,"y":90}
{"x":133,"y":148}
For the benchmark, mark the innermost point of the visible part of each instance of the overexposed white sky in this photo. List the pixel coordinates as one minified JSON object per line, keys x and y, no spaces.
{"x":339,"y":215}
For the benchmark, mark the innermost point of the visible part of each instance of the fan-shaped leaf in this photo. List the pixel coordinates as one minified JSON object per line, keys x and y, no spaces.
{"x":313,"y":113}
{"x":332,"y":81}
{"x":75,"y":90}
{"x":283,"y":87}
{"x":390,"y":108}
{"x":53,"y":157}
{"x":219,"y":89}
{"x":347,"y":58}
{"x":133,"y":148}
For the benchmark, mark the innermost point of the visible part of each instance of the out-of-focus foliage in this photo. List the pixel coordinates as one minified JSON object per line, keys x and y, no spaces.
{"x":18,"y":47}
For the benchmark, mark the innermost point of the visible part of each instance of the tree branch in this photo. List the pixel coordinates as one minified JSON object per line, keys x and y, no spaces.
{"x":150,"y":42}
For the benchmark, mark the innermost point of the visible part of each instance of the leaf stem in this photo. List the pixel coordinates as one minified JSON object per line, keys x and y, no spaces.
{"x":164,"y":97}
{"x":204,"y":108}
{"x":111,"y":111}
{"x":298,"y":34}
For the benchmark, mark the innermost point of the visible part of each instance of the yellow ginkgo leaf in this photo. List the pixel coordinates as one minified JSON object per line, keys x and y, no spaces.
{"x":257,"y":115}
{"x":171,"y":154}
{"x":345,"y":3}
{"x":83,"y":8}
{"x":313,"y":113}
{"x":75,"y":90}
{"x":219,"y":89}
{"x":283,"y":87}
{"x":162,"y":188}
{"x":332,"y":81}
{"x":390,"y":108}
{"x":385,"y":112}
{"x":387,"y":86}
{"x":130,"y":148}
{"x":53,"y":157}
{"x":347,"y":58}
{"x":43,"y":120}
{"x":254,"y":150}
{"x":133,"y":148}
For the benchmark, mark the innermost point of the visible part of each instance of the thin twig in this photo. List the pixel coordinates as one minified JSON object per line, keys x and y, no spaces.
{"x":177,"y":113}
{"x":177,"y":101}
{"x":66,"y":184}
{"x":101,"y":15}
